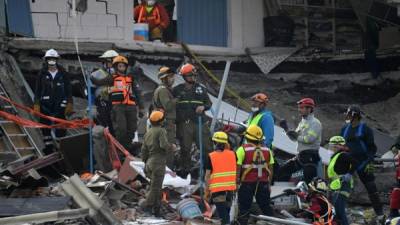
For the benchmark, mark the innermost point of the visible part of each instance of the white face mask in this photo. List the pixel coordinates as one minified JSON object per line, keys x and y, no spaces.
{"x":254,"y":109}
{"x":51,"y":62}
{"x":347,"y":121}
{"x":151,"y":2}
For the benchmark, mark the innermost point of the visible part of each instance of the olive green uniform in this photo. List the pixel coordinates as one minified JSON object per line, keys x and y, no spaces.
{"x":187,"y":121}
{"x":163,"y":99}
{"x":154,"y":149}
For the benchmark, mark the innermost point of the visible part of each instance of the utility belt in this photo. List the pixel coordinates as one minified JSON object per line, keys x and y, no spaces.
{"x":308,"y":157}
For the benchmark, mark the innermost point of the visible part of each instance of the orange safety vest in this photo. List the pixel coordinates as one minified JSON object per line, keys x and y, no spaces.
{"x":154,"y":15}
{"x":121,"y":91}
{"x":223,"y":174}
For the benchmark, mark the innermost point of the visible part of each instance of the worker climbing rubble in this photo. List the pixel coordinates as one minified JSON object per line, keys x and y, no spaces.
{"x":360,"y":140}
{"x":254,"y":174}
{"x":308,"y":137}
{"x":192,"y":102}
{"x":220,"y":178}
{"x":53,"y":95}
{"x":164,"y":100}
{"x":340,"y":170}
{"x":125,"y":97}
{"x":155,"y":148}
{"x":101,"y":79}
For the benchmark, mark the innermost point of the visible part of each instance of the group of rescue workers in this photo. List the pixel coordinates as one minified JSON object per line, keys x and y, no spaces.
{"x":178,"y":115}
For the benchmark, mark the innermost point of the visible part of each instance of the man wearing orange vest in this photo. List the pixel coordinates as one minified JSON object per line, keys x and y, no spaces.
{"x":221,"y":176}
{"x":124,"y":96}
{"x":155,"y":15}
{"x":255,"y":166}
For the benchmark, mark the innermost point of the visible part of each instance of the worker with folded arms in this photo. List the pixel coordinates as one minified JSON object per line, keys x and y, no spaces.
{"x":53,"y":96}
{"x":220,"y":178}
{"x":340,"y":170}
{"x":255,"y":173}
{"x":164,"y":100}
{"x":155,"y":148}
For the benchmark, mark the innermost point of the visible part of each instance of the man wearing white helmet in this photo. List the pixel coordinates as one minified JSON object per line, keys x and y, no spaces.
{"x":53,"y":95}
{"x":102,"y":79}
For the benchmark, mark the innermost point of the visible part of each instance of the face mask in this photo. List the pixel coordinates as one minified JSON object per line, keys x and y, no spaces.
{"x":347,"y":121}
{"x":51,"y":62}
{"x":254,"y":109}
{"x":151,"y":2}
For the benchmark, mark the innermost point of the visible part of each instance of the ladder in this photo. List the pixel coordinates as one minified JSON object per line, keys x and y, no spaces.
{"x":15,"y":138}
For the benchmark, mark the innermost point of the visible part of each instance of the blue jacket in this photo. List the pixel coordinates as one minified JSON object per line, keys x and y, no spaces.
{"x":267,"y":125}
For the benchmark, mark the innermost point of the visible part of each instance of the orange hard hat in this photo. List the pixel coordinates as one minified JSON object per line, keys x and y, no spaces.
{"x":156,"y":116}
{"x":120,"y":59}
{"x":260,"y":97}
{"x":187,"y":69}
{"x":306,"y":102}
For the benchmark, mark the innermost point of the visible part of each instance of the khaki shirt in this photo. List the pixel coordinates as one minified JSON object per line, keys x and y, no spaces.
{"x":155,"y":143}
{"x":163,"y":99}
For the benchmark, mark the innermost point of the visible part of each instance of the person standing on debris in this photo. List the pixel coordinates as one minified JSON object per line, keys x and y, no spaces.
{"x":340,"y":169}
{"x":255,"y":169}
{"x":125,"y":96}
{"x":53,"y":96}
{"x":220,"y":176}
{"x":164,"y":100}
{"x":102,"y":79}
{"x":262,"y":117}
{"x":308,"y":137}
{"x":155,"y":148}
{"x":360,"y":140}
{"x":155,"y":15}
{"x":192,"y":102}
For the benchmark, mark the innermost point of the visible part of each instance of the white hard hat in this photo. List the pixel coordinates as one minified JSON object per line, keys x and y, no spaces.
{"x":109,"y":54}
{"x":51,"y":53}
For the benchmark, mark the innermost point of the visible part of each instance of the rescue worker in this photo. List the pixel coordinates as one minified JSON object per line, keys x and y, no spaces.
{"x":262,"y":117}
{"x":102,"y":79}
{"x":360,"y":140}
{"x":154,"y":14}
{"x":395,"y":195}
{"x":154,"y":149}
{"x":53,"y":96}
{"x":340,"y":169}
{"x":164,"y":100}
{"x":255,"y":169}
{"x":308,"y":137}
{"x":125,"y":97}
{"x":192,"y":102}
{"x":220,"y":176}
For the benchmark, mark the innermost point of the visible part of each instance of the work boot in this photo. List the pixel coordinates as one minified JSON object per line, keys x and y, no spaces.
{"x":376,"y":203}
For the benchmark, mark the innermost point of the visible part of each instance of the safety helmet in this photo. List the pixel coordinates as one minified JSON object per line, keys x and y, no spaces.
{"x":260,"y":97}
{"x":353,"y":110}
{"x":109,"y":54}
{"x":309,"y":102}
{"x":337,"y":140}
{"x":220,"y":137}
{"x":156,"y":116}
{"x":187,"y":69}
{"x":120,"y":59}
{"x":318,"y":185}
{"x":254,"y":133}
{"x":164,"y":72}
{"x":51,"y":53}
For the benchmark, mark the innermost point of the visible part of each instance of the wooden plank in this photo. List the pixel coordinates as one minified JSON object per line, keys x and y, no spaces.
{"x":12,"y":128}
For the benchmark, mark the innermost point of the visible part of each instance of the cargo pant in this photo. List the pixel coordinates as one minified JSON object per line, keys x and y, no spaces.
{"x":188,"y":132}
{"x":124,"y":119}
{"x":155,"y":170}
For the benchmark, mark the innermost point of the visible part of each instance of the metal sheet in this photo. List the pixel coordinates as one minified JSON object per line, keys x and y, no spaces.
{"x":75,"y":150}
{"x":24,"y":206}
{"x":19,"y":18}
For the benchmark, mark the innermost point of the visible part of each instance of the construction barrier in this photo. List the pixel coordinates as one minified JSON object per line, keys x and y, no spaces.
{"x":114,"y":145}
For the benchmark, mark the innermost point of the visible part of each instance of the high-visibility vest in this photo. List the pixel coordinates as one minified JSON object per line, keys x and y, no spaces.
{"x":255,"y":164}
{"x":121,"y":91}
{"x":223,"y":174}
{"x":336,"y":182}
{"x":153,"y":15}
{"x":255,"y":120}
{"x":327,"y":218}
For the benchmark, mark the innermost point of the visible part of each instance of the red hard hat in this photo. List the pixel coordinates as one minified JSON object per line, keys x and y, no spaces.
{"x":187,"y":69}
{"x":306,"y":102}
{"x":260,"y":97}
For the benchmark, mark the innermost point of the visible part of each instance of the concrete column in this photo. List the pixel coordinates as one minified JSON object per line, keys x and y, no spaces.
{"x":235,"y":26}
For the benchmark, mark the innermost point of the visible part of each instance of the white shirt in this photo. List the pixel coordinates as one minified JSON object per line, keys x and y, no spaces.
{"x":53,"y":74}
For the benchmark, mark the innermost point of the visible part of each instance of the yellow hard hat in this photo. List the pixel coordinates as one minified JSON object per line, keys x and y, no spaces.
{"x":254,"y":133}
{"x":156,"y":116}
{"x":164,"y":72}
{"x":220,"y":137}
{"x":120,"y":59}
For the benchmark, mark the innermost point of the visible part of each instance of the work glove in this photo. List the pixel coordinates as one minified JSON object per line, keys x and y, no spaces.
{"x":293,"y":135}
{"x":36,"y":108}
{"x":69,"y":110}
{"x":347,"y":177}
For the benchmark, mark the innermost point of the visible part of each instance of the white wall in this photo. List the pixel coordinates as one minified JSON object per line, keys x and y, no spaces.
{"x":246,"y":23}
{"x":103,"y":20}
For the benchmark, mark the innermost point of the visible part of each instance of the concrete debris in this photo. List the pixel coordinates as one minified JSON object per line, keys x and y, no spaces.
{"x":270,"y":57}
